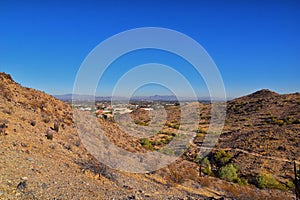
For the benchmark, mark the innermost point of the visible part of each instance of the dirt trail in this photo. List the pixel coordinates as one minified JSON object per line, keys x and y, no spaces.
{"x":253,"y":154}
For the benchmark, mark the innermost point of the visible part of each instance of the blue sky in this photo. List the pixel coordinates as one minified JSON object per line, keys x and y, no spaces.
{"x":255,"y":44}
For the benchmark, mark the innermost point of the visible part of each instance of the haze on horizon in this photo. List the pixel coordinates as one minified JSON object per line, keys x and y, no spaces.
{"x":255,"y":45}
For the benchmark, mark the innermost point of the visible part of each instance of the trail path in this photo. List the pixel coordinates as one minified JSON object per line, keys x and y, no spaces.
{"x":253,"y":154}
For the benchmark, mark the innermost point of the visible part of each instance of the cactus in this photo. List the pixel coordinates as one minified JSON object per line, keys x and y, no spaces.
{"x":56,"y":126}
{"x":297,"y":182}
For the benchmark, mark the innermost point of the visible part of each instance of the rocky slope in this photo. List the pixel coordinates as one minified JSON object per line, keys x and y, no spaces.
{"x":260,"y":136}
{"x":42,"y":157}
{"x":267,"y":125}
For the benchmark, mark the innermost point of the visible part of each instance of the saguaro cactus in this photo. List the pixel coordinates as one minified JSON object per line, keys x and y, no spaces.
{"x":297,"y":182}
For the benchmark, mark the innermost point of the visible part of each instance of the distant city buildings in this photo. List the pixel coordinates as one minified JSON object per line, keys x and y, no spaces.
{"x":105,"y":109}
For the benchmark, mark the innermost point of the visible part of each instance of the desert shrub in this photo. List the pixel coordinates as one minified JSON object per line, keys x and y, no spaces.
{"x":145,"y":142}
{"x":222,"y":157}
{"x":233,"y":107}
{"x":205,"y":181}
{"x":280,"y":122}
{"x":175,"y":126}
{"x":243,"y":119}
{"x":166,"y":139}
{"x":95,"y":168}
{"x":179,"y":174}
{"x":229,"y":173}
{"x":174,"y":176}
{"x":167,"y":151}
{"x":156,"y":143}
{"x":167,"y":133}
{"x":242,"y":181}
{"x":200,"y":130}
{"x":141,"y":123}
{"x":275,"y":120}
{"x":199,"y":135}
{"x":297,"y":121}
{"x":207,"y":166}
{"x":289,"y":184}
{"x":268,"y":181}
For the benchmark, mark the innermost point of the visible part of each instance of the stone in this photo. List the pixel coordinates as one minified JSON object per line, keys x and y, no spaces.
{"x":49,"y":134}
{"x":22,"y":186}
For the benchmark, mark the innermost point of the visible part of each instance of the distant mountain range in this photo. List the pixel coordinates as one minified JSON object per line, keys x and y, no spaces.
{"x":78,"y":97}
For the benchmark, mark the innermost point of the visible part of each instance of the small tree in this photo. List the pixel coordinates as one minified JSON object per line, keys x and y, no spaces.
{"x":229,"y":173}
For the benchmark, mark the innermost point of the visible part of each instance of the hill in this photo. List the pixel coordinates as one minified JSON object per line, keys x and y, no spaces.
{"x":42,"y":157}
{"x":260,"y":137}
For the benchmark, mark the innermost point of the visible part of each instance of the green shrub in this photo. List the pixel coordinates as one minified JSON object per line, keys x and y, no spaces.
{"x":171,"y":125}
{"x":207,"y":166}
{"x":289,"y":184}
{"x":199,"y":135}
{"x":229,"y":173}
{"x":222,"y":157}
{"x":268,"y":181}
{"x":166,"y":139}
{"x":242,"y":181}
{"x":156,"y":143}
{"x":200,"y":130}
{"x":280,"y":122}
{"x":233,"y":107}
{"x":145,"y":142}
{"x":140,"y":123}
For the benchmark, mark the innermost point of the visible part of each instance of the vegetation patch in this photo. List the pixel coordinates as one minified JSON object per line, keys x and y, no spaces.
{"x":266,"y":180}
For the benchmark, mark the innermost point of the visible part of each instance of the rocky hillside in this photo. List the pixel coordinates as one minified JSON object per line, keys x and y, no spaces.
{"x":42,"y":157}
{"x":267,"y":125}
{"x":260,"y":138}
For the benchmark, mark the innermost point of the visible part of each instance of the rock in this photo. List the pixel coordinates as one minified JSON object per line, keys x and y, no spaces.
{"x":147,"y":195}
{"x":128,"y":187}
{"x":131,"y":197}
{"x":22,"y":186}
{"x":24,"y":144}
{"x":29,"y":159}
{"x":141,"y":191}
{"x":3,"y":128}
{"x":32,"y":122}
{"x":43,"y":185}
{"x":49,"y":134}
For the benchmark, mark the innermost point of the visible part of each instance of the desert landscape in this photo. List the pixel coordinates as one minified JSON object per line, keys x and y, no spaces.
{"x":42,"y":156}
{"x":149,"y":100}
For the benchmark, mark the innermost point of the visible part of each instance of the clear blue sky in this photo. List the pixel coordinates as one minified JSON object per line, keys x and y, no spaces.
{"x":255,"y":44}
